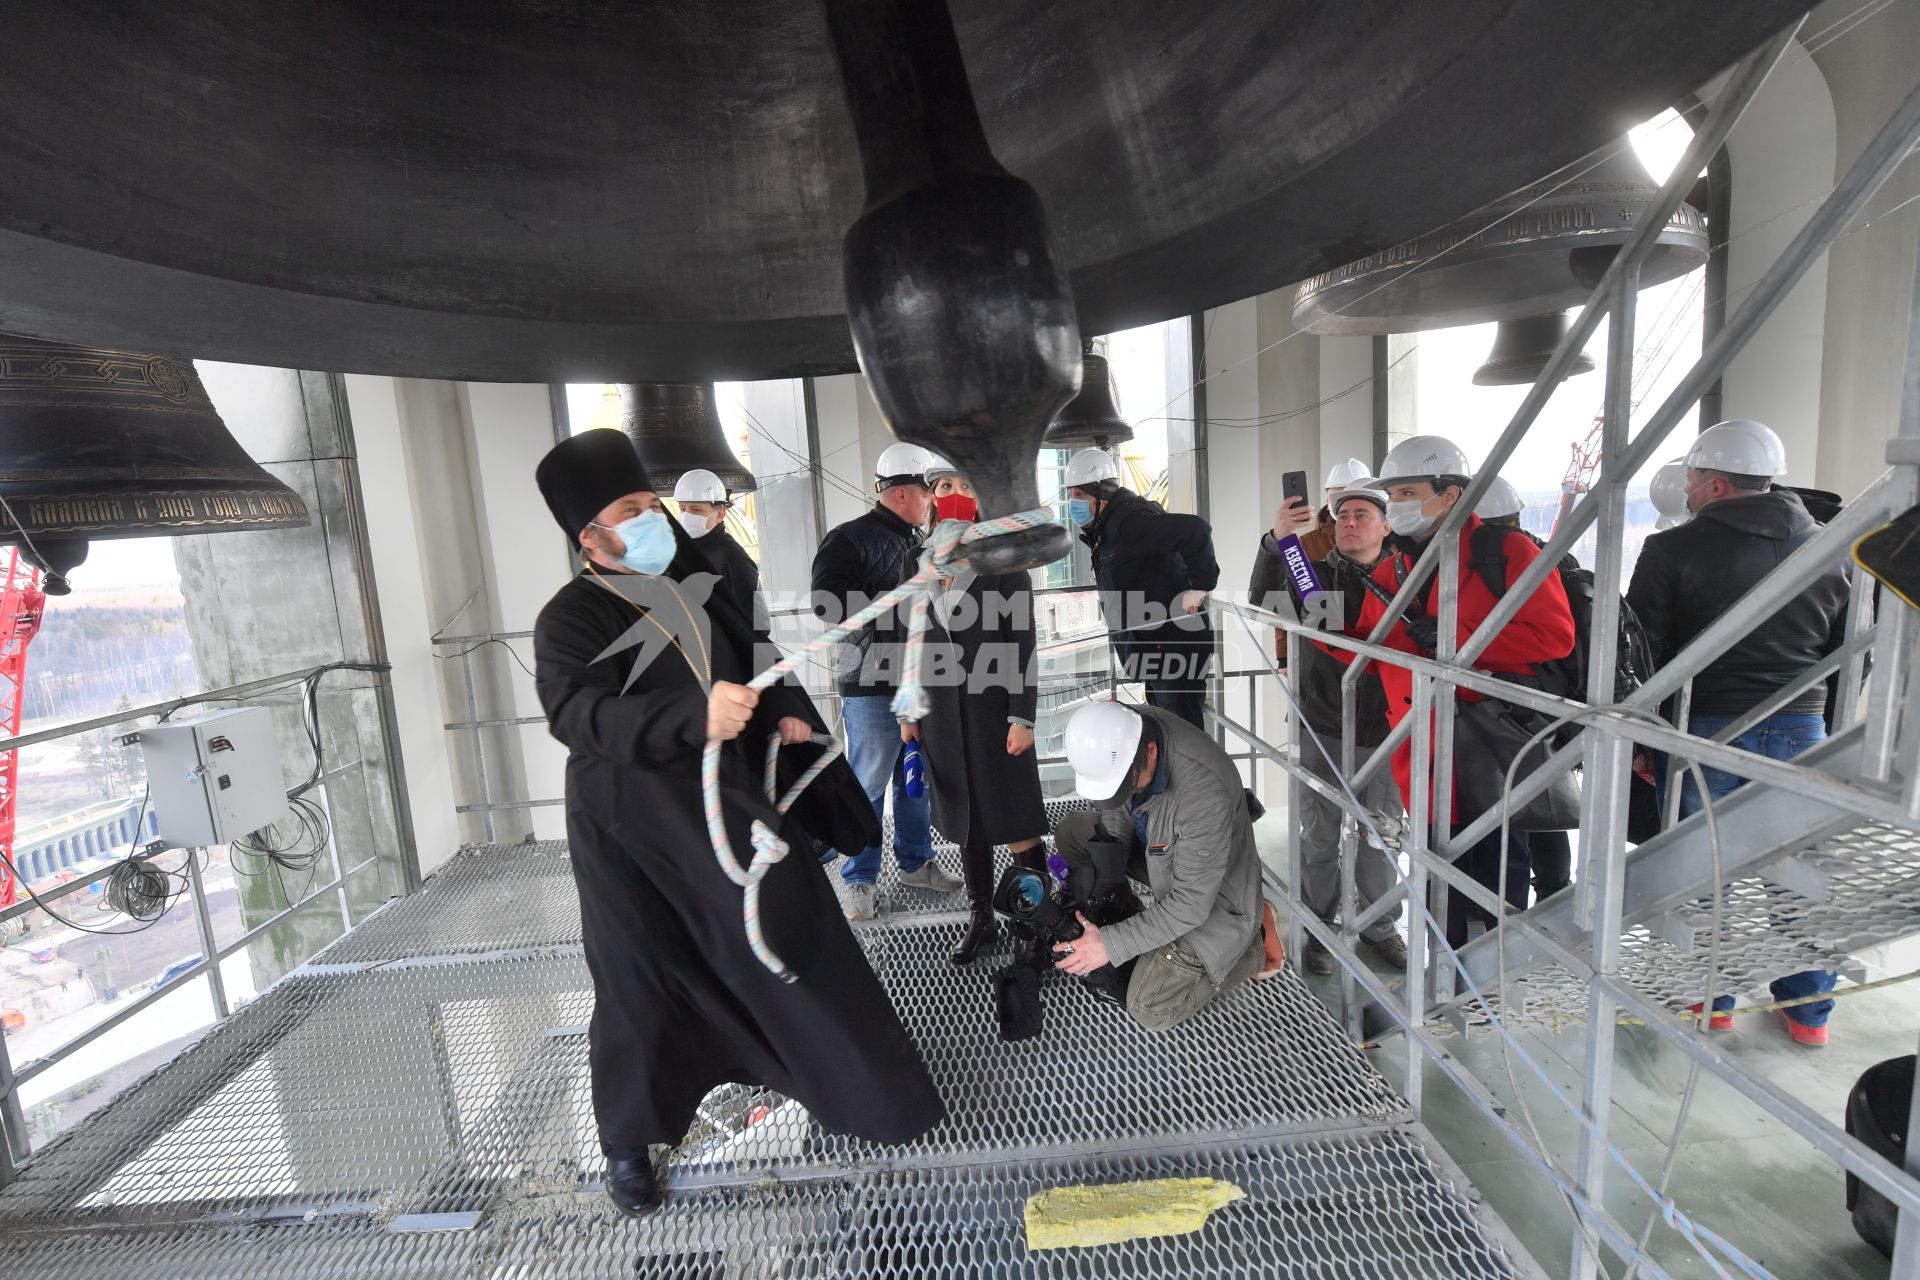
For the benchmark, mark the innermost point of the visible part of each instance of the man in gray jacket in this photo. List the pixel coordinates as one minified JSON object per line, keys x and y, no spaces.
{"x":1170,"y":795}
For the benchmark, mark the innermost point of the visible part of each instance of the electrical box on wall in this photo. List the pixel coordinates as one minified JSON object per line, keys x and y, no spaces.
{"x":214,"y":778}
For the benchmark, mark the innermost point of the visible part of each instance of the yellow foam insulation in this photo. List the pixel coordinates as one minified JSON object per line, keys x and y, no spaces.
{"x":1076,"y":1217}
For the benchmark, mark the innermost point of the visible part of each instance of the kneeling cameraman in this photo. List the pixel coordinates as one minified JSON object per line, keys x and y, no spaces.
{"x":1173,"y":800}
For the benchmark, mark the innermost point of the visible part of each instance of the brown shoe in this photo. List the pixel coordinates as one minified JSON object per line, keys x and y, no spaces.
{"x":1392,"y":951}
{"x":1270,"y":942}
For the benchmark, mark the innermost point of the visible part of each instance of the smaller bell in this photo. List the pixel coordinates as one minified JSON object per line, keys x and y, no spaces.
{"x":56,"y":558}
{"x":1522,"y":348}
{"x":97,"y":443}
{"x":676,"y":428}
{"x":1092,"y":418}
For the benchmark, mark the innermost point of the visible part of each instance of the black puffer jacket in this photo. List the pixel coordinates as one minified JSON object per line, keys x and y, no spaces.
{"x":1144,"y":559}
{"x":1317,"y":683}
{"x":739,"y":574}
{"x":858,"y":562}
{"x":1689,"y":576}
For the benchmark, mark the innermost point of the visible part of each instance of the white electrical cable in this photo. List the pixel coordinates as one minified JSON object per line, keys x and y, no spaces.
{"x":1706,"y":1003}
{"x":1697,"y":1235}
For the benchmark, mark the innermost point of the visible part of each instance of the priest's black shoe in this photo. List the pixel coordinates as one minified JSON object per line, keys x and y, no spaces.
{"x":981,"y":932}
{"x":634,"y":1187}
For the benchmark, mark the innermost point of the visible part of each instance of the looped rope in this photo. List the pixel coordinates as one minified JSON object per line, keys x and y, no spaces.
{"x":937,"y":560}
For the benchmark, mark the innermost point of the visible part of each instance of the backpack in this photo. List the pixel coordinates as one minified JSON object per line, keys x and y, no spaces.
{"x":1567,"y":676}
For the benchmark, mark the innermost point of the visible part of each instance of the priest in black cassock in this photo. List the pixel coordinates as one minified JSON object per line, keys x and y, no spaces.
{"x":638,"y":661}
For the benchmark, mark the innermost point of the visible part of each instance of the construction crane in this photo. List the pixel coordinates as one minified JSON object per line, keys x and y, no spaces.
{"x":22,"y":605}
{"x":1661,"y":342}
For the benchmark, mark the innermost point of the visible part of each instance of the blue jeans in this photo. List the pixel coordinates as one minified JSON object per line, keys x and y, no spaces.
{"x":1778,"y":737}
{"x":873,"y":751}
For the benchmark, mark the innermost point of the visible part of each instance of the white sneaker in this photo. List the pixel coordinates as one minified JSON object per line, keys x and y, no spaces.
{"x":931,"y":875}
{"x":859,"y":902}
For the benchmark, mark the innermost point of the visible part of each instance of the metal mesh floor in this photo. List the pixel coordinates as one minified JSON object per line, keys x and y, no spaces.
{"x":416,"y":1103}
{"x":1372,"y":1203}
{"x":1873,"y":898}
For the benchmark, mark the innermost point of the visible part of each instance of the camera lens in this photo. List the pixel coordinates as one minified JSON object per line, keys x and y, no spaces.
{"x":1029,"y":891}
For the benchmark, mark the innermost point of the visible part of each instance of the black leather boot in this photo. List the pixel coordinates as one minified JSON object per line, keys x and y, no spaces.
{"x":976,"y":863}
{"x":633,"y":1186}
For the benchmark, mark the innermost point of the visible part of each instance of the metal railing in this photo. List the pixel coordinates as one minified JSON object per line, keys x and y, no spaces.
{"x":15,"y":1143}
{"x":1886,"y":787}
{"x":1056,"y":699}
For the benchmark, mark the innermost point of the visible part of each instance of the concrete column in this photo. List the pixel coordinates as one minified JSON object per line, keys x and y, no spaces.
{"x":1346,"y":423}
{"x":1782,"y":152}
{"x":1403,"y":392}
{"x":852,"y":434}
{"x":1870,"y":270}
{"x":522,"y":561}
{"x":785,"y":519}
{"x":1244,"y":384}
{"x":395,"y":534}
{"x":1190,"y":377}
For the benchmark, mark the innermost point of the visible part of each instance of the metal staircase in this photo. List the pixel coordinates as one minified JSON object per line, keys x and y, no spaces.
{"x":1805,"y":884}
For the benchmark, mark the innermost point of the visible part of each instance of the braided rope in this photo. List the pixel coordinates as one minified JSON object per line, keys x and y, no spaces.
{"x":937,"y":560}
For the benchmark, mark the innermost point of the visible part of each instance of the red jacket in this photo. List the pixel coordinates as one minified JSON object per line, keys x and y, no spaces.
{"x":1541,"y":631}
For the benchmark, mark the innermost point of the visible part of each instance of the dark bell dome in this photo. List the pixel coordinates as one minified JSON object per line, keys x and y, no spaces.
{"x":588,"y":189}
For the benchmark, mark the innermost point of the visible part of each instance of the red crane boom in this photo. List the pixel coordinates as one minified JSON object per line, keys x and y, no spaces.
{"x":22,"y":605}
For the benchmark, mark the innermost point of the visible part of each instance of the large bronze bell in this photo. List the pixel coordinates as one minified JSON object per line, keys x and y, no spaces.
{"x":957,"y":299}
{"x":1522,"y":348}
{"x":579,"y":190}
{"x":1092,"y":418}
{"x":119,"y":444}
{"x":1539,"y":250}
{"x":676,"y":428}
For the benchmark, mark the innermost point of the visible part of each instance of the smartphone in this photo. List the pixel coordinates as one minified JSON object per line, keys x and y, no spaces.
{"x":1294,"y":485}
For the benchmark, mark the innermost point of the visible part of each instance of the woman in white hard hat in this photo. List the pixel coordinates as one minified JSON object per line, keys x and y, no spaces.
{"x":977,"y":737}
{"x":703,"y":501}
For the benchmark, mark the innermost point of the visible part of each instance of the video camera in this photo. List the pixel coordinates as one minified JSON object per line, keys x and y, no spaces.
{"x":1043,"y":911}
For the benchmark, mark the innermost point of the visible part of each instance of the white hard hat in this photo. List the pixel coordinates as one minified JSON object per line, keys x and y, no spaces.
{"x":1090,"y":466}
{"x":1362,"y":486}
{"x":1345,"y":473}
{"x":1666,"y":522}
{"x":1741,"y":447}
{"x":1424,"y":458}
{"x":1668,"y":488}
{"x":901,"y":463}
{"x":1502,"y":500}
{"x":938,"y":466}
{"x":699,"y":485}
{"x":1102,"y":739}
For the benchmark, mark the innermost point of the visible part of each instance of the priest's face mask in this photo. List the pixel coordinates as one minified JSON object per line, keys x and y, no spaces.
{"x":610,"y":537}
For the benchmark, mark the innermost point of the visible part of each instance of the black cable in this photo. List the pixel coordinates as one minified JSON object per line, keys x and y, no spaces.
{"x":483,"y":644}
{"x":42,"y":903}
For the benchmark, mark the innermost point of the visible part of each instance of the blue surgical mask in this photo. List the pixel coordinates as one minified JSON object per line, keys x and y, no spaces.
{"x":649,"y":540}
{"x":1079,"y":510}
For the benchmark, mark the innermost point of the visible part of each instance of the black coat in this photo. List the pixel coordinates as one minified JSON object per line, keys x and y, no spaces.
{"x":1690,"y":575}
{"x":857,"y":563}
{"x":681,"y":1004}
{"x":739,"y":574}
{"x":980,"y":794}
{"x":1144,"y":559}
